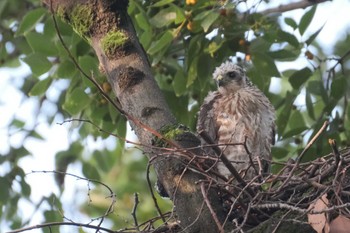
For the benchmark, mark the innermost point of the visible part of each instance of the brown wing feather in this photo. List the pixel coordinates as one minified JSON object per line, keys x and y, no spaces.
{"x":206,"y":118}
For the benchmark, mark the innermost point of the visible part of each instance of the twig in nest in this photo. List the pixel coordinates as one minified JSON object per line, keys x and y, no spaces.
{"x":296,"y":165}
{"x":335,"y":150}
{"x":207,"y":202}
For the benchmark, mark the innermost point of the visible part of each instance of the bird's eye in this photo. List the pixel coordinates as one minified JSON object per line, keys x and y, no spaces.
{"x":232,"y":74}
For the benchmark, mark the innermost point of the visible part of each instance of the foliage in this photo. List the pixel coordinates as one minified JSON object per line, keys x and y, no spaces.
{"x":185,"y":41}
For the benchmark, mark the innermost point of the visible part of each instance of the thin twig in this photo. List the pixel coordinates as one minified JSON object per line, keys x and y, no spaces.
{"x":134,"y":209}
{"x":212,"y":212}
{"x":51,"y":224}
{"x":151,"y":191}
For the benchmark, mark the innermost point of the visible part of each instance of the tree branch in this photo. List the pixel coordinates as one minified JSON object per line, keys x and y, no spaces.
{"x":292,"y":6}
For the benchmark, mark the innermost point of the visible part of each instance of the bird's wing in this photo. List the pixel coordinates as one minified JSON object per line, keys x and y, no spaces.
{"x":206,"y":116}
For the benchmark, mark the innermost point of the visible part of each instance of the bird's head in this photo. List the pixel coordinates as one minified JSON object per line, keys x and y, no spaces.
{"x":230,"y":77}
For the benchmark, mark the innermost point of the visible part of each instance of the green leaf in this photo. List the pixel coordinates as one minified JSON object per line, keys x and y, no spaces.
{"x":284,"y":114}
{"x":279,"y":152}
{"x":306,"y":19}
{"x":162,"y":3}
{"x":146,"y":39}
{"x":90,"y":171}
{"x":163,"y":17}
{"x":299,"y":77}
{"x":180,"y":14}
{"x":209,"y":18}
{"x":296,"y":124}
{"x":66,"y":69}
{"x":38,"y":63}
{"x":5,"y":190}
{"x":76,"y":101}
{"x":265,"y":64}
{"x":290,"y":38}
{"x":285,"y":55}
{"x":309,"y":105}
{"x":30,"y":20}
{"x":89,"y":64}
{"x":162,"y":43}
{"x":313,"y":36}
{"x":40,"y":43}
{"x":17,"y":123}
{"x":192,"y":72}
{"x":291,"y":22}
{"x":142,"y":21}
{"x":40,"y":87}
{"x":179,"y":82}
{"x":338,"y":87}
{"x":36,"y":135}
{"x":52,"y":216}
{"x":25,"y":188}
{"x":205,"y":71}
{"x":316,"y":87}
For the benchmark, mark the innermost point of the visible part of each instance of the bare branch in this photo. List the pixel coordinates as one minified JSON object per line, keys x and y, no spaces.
{"x":292,"y":6}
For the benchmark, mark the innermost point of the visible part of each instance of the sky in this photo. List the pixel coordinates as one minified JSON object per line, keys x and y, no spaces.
{"x":335,"y":15}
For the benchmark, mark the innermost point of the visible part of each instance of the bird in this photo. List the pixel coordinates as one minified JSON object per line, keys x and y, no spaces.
{"x":239,"y":113}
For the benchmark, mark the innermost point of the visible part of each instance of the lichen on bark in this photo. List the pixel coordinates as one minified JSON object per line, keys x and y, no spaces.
{"x":114,"y":42}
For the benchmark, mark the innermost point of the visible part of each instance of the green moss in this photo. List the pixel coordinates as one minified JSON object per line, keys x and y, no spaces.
{"x":112,"y":41}
{"x":61,"y":12}
{"x":81,"y":19}
{"x":170,"y":133}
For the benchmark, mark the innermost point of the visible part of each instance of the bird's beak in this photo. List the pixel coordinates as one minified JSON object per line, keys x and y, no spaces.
{"x":219,"y":80}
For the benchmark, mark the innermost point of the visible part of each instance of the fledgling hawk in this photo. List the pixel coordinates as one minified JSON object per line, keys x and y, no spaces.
{"x":239,"y":112}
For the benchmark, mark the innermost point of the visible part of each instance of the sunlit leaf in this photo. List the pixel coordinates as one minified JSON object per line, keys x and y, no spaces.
{"x":40,"y":87}
{"x":306,"y":19}
{"x":164,"y":17}
{"x":162,"y":43}
{"x":38,"y":63}
{"x":30,"y":20}
{"x":162,"y":3}
{"x":76,"y":101}
{"x":142,"y":21}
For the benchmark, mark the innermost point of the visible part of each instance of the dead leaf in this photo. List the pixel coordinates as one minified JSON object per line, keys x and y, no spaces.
{"x":319,"y":221}
{"x":340,"y":224}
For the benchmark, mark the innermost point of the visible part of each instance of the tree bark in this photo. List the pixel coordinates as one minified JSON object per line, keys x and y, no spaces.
{"x":108,"y":28}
